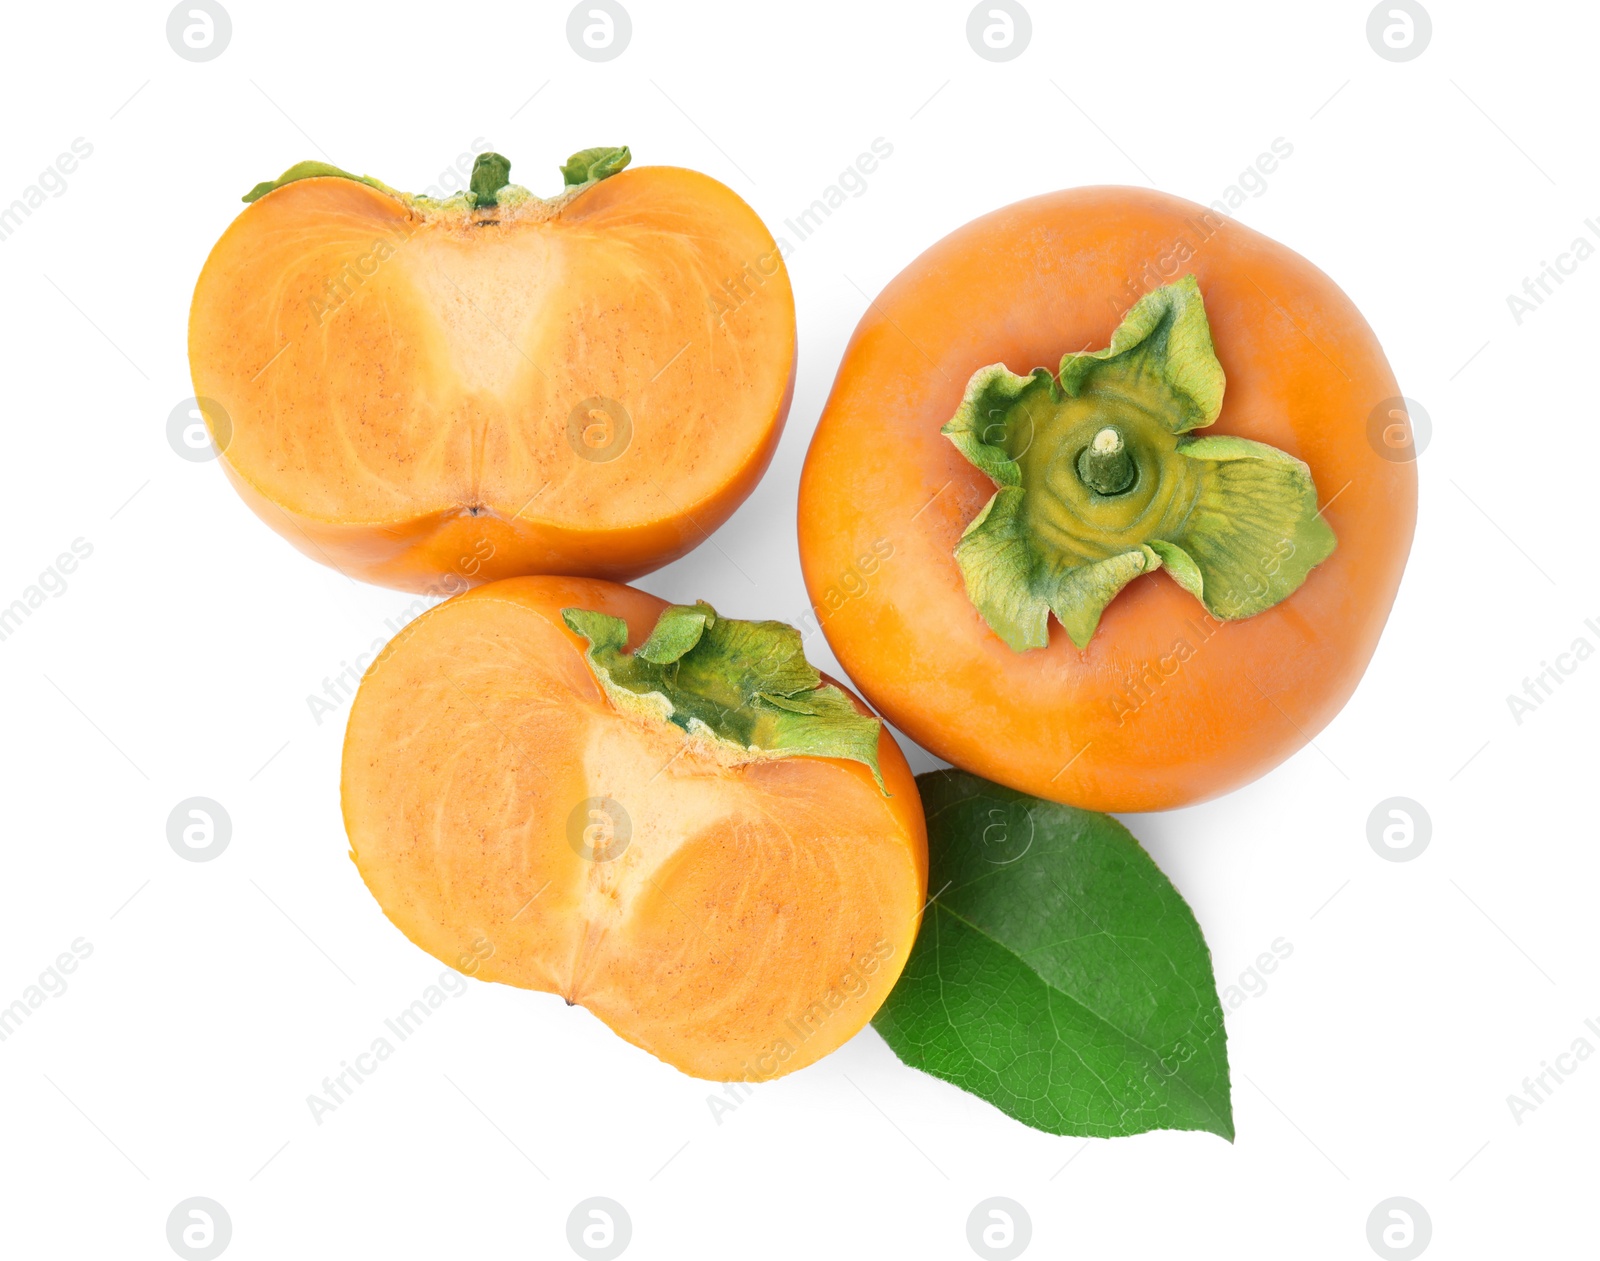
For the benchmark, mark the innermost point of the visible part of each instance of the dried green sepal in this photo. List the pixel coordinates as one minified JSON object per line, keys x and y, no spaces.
{"x":744,"y":685}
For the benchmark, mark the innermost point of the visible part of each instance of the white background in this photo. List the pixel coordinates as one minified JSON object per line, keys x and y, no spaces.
{"x":178,"y":660}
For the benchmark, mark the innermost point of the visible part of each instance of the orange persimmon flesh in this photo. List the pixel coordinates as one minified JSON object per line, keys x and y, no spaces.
{"x":761,"y":909}
{"x":430,"y":396}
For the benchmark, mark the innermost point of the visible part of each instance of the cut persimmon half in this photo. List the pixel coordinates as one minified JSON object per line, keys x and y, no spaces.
{"x":665,"y":816}
{"x":431,"y":394}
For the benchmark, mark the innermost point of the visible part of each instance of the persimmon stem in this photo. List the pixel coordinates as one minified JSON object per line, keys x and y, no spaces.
{"x":490,"y":173}
{"x":1105,"y":466}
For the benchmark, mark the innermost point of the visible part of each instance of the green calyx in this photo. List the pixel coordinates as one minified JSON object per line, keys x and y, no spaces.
{"x":311,"y":170}
{"x":589,"y":166}
{"x":744,"y":686}
{"x":487,"y":186}
{"x":1099,"y":482}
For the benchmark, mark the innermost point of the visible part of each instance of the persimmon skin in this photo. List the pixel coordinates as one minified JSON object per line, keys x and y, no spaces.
{"x":1166,"y":707}
{"x":409,"y":424}
{"x":723,"y":923}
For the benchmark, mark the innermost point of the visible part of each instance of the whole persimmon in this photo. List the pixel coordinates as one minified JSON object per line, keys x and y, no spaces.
{"x":433,"y":393}
{"x":1110,"y":500}
{"x":663,"y":815}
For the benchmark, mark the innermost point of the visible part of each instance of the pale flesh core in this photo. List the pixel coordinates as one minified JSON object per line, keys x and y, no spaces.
{"x":757,"y":916}
{"x":496,"y":391}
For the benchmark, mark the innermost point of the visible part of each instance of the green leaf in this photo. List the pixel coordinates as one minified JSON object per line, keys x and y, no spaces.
{"x":588,"y":165}
{"x":1058,"y":974}
{"x":746,"y":685}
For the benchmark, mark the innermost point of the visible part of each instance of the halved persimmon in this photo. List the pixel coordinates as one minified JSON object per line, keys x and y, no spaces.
{"x":1110,"y":500}
{"x":432,"y":394}
{"x":665,"y":816}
